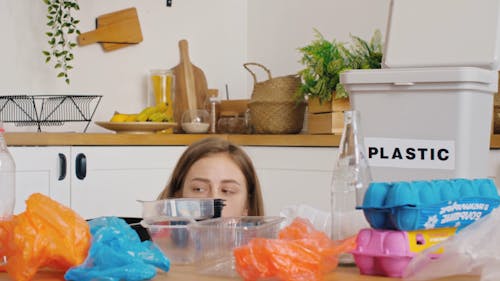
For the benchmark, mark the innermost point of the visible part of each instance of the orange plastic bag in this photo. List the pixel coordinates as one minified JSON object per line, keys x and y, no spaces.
{"x":300,"y":253}
{"x":47,"y":234}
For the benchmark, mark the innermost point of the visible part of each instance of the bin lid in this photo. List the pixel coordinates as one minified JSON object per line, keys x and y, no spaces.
{"x":410,"y":76}
{"x":430,"y":33}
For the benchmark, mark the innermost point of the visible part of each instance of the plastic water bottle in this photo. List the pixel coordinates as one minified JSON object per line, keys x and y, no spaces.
{"x":7,"y":179}
{"x":350,"y":179}
{"x":7,"y":185}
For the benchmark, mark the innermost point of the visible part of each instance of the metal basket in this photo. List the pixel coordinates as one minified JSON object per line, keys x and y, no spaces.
{"x":48,"y":110}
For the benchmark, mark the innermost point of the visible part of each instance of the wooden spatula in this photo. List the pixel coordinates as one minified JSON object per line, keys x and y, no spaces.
{"x":123,"y":27}
{"x":191,"y":85}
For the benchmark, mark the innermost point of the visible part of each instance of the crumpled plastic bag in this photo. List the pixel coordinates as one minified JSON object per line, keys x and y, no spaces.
{"x":117,"y":253}
{"x":300,"y":253}
{"x":321,"y":220}
{"x":46,"y":234}
{"x":472,"y":251}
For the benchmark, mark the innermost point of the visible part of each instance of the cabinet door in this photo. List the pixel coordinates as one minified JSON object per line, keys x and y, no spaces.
{"x":41,"y":169}
{"x":116,"y":177}
{"x":294,"y":175}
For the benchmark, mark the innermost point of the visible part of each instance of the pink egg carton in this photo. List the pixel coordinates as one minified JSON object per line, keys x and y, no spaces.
{"x":388,"y":252}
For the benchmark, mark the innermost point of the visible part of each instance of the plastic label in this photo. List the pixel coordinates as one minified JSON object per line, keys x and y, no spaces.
{"x":410,"y":153}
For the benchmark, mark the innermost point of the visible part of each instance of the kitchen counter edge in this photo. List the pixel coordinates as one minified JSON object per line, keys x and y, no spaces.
{"x":105,"y":139}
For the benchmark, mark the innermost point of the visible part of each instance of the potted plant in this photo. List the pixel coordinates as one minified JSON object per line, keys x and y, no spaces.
{"x":62,"y":24}
{"x":324,"y":61}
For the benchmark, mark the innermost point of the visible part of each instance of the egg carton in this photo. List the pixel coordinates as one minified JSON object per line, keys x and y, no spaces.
{"x":411,"y":205}
{"x":388,"y":252}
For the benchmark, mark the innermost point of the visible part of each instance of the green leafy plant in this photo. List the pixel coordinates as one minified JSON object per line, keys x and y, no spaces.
{"x":324,"y":61}
{"x":62,"y":25}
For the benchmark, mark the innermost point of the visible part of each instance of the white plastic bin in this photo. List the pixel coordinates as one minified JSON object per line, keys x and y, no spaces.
{"x":424,"y":123}
{"x":436,"y":33}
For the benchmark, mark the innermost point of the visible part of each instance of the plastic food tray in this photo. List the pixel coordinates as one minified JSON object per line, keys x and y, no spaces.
{"x":195,"y":208}
{"x":174,"y":238}
{"x":429,"y":204}
{"x":218,"y":237}
{"x":388,"y":252}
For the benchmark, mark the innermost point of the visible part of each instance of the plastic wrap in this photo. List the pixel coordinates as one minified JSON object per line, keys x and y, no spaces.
{"x":47,"y":234}
{"x":117,"y":253}
{"x":472,"y":251}
{"x":300,"y":253}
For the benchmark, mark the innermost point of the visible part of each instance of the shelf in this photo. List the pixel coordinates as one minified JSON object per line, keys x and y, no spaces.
{"x":104,"y":139}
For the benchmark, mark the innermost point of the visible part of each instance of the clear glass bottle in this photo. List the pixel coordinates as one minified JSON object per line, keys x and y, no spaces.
{"x":351,"y":177}
{"x":7,"y":182}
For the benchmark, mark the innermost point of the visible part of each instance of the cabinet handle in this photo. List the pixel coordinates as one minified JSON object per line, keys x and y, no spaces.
{"x":81,"y":166}
{"x":62,"y":166}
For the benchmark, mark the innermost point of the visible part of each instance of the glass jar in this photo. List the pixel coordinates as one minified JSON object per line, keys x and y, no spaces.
{"x":161,"y":89}
{"x":231,"y":123}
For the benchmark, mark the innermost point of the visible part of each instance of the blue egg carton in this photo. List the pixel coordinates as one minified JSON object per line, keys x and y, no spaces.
{"x":412,"y":205}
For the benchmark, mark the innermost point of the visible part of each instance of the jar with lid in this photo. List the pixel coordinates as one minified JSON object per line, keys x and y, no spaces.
{"x":230,"y":122}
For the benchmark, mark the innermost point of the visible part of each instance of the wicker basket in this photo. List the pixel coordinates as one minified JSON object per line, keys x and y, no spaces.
{"x":273,"y":107}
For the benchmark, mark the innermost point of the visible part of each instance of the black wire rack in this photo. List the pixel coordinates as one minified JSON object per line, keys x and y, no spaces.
{"x":48,"y":110}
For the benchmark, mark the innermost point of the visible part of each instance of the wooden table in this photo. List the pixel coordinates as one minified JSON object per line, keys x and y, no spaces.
{"x":183,"y":273}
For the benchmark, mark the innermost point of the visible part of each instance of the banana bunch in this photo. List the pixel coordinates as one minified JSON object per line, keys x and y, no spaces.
{"x":157,"y":113}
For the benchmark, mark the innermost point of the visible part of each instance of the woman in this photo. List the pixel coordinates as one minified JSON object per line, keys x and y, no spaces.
{"x":216,"y":168}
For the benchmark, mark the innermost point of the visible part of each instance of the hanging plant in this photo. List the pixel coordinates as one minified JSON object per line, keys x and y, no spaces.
{"x":62,"y":24}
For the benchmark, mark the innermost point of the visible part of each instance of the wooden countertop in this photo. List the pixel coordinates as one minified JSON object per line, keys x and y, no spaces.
{"x":104,"y":139}
{"x":182,"y":273}
{"x":98,"y":139}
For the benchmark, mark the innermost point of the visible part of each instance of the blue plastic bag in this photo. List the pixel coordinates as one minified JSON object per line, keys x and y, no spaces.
{"x":117,"y":253}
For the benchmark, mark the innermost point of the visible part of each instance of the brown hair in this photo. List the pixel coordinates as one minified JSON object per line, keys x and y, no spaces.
{"x":205,"y":148}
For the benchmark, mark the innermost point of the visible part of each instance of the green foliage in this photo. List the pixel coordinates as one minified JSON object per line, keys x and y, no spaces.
{"x":62,"y":25}
{"x":324,"y":61}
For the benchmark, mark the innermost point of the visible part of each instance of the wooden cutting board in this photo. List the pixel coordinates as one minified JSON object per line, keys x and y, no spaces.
{"x":118,"y":27}
{"x":191,"y":89}
{"x":111,"y":18}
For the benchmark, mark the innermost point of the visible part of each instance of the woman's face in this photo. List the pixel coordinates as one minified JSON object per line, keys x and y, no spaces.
{"x":217,"y":176}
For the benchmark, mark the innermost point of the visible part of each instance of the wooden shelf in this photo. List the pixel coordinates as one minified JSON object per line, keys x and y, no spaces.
{"x":104,"y":139}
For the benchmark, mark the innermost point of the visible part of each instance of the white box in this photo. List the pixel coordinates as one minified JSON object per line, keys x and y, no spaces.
{"x":424,"y":123}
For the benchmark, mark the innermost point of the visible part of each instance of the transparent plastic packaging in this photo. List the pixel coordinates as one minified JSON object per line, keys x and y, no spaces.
{"x":193,"y":208}
{"x":7,"y":179}
{"x":218,"y":238}
{"x":350,"y":179}
{"x":7,"y":184}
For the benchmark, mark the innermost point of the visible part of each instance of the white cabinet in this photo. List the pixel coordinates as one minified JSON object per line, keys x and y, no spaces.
{"x":108,"y":180}
{"x":41,"y":169}
{"x":116,"y":177}
{"x":99,"y":180}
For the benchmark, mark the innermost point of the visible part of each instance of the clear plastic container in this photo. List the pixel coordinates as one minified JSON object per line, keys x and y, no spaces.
{"x":193,"y":208}
{"x":218,"y":237}
{"x":174,"y":238}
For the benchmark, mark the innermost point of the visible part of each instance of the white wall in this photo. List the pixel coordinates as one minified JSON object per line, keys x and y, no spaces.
{"x":277,"y":28}
{"x":222,"y":35}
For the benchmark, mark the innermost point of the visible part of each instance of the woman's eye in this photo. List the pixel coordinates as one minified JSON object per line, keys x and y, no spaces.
{"x":229,"y":191}
{"x":198,"y":189}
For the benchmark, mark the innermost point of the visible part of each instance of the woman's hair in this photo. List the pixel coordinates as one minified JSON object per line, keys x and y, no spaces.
{"x":207,"y":147}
